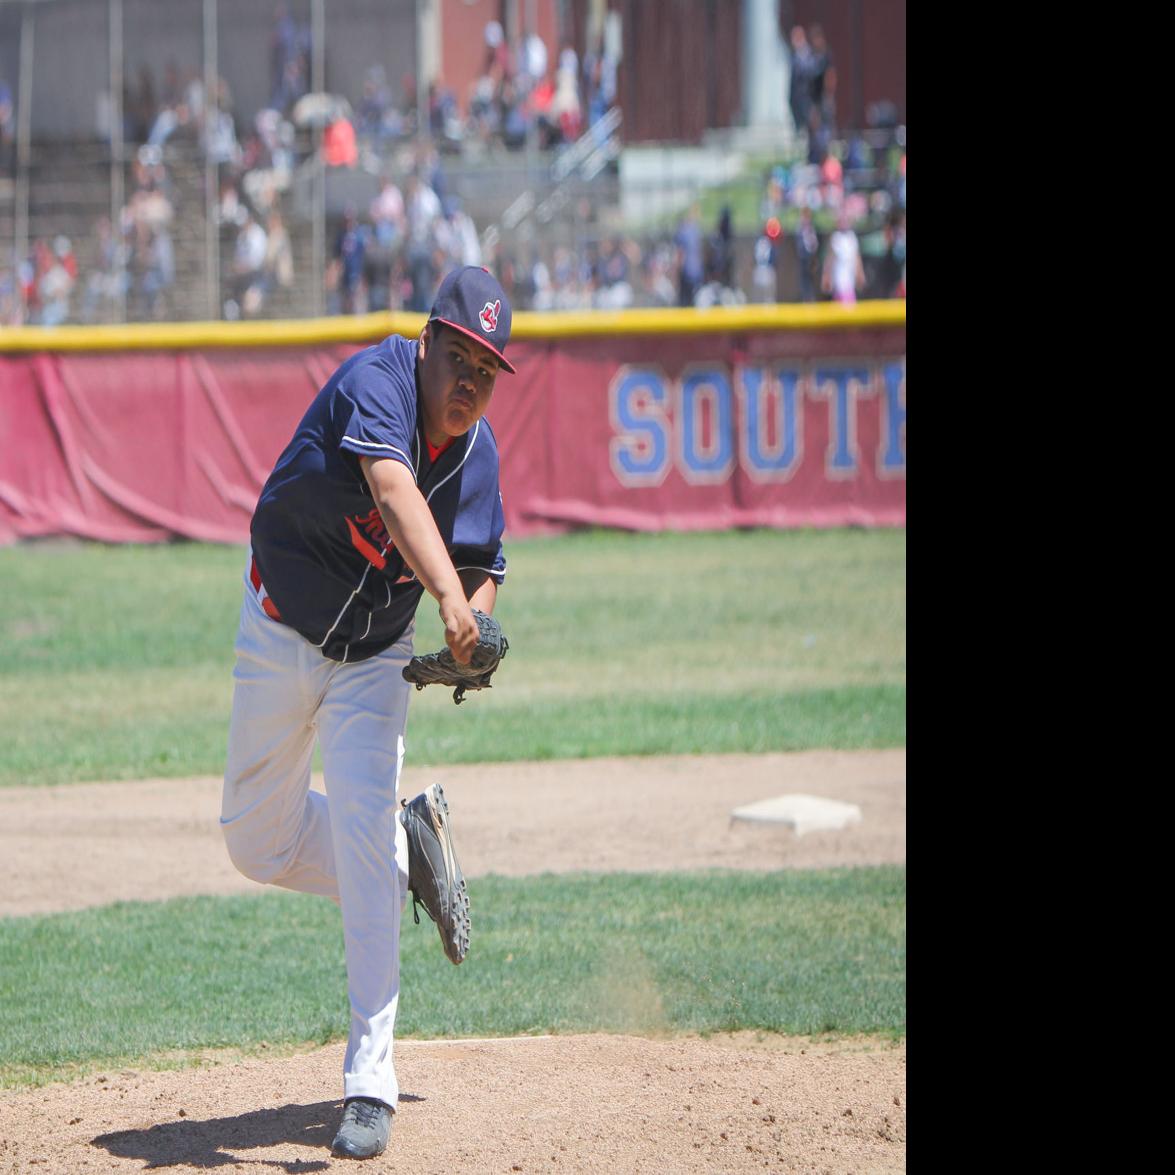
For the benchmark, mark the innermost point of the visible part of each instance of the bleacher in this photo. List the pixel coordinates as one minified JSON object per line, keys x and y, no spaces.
{"x":523,"y":204}
{"x":70,"y":189}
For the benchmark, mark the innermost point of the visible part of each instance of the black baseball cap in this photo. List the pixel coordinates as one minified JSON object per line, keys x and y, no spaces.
{"x":471,"y":300}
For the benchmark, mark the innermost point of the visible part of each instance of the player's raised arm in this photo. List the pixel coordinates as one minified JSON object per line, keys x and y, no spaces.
{"x":413,"y":529}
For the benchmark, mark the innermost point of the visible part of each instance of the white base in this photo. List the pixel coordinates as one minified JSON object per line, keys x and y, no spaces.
{"x":803,"y":813}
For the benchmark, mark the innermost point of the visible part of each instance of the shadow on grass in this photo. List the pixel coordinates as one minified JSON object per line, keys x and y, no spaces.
{"x":222,"y":1142}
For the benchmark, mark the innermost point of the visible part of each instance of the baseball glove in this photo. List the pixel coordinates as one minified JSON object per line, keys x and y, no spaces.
{"x":442,"y":668}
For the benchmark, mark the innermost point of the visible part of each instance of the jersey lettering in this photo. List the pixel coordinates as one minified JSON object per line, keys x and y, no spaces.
{"x":373,"y":524}
{"x":364,"y":547}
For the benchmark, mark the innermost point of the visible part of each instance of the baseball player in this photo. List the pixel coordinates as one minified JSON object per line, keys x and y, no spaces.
{"x":388,"y":489}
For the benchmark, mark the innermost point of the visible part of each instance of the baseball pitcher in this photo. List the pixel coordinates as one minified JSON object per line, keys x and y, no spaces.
{"x":387,"y":490}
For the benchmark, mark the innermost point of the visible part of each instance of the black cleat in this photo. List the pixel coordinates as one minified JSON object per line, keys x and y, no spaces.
{"x":434,"y":877}
{"x":363,"y":1132}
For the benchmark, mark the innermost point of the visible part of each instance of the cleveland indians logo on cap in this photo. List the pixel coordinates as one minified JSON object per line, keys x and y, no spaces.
{"x":489,"y":316}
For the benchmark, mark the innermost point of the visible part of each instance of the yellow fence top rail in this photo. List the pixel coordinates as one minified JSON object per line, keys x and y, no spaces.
{"x":527,"y":324}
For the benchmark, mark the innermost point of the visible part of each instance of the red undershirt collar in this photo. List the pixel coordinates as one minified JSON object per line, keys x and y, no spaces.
{"x":434,"y":451}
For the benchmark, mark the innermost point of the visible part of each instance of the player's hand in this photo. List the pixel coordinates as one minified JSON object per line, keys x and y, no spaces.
{"x":460,"y":628}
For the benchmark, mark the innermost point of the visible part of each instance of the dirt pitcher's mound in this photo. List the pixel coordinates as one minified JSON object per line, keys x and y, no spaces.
{"x":575,"y":1103}
{"x":64,"y":848}
{"x":569,"y":1103}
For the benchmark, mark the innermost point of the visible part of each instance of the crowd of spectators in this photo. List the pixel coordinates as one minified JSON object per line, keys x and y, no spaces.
{"x":392,"y":254}
{"x":843,"y":223}
{"x":134,"y":260}
{"x":134,"y":268}
{"x":520,"y":98}
{"x":840,"y":200}
{"x":838,"y":204}
{"x":852,"y":202}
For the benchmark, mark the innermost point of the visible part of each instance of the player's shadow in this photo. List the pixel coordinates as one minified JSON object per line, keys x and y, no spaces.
{"x":219,"y":1142}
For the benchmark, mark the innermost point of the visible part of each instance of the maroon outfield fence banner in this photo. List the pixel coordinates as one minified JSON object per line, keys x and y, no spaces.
{"x":777,"y":417}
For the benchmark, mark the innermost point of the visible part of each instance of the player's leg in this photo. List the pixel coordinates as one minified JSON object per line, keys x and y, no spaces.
{"x":276,"y":829}
{"x":361,"y":730}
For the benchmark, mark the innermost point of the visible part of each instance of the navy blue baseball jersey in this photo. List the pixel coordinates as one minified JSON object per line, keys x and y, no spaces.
{"x":319,"y":542}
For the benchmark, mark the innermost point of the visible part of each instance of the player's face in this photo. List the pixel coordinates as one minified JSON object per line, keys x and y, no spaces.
{"x":457,"y":380}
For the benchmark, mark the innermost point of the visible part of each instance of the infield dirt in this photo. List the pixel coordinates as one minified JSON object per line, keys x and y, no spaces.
{"x":566,"y":1103}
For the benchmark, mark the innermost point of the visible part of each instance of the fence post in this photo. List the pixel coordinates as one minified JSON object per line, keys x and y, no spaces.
{"x":211,"y":171}
{"x":318,"y":85}
{"x":28,"y":24}
{"x":117,"y":149}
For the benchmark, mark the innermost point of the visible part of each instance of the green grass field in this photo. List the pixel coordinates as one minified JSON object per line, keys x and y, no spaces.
{"x":116,"y":662}
{"x":794,"y":952}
